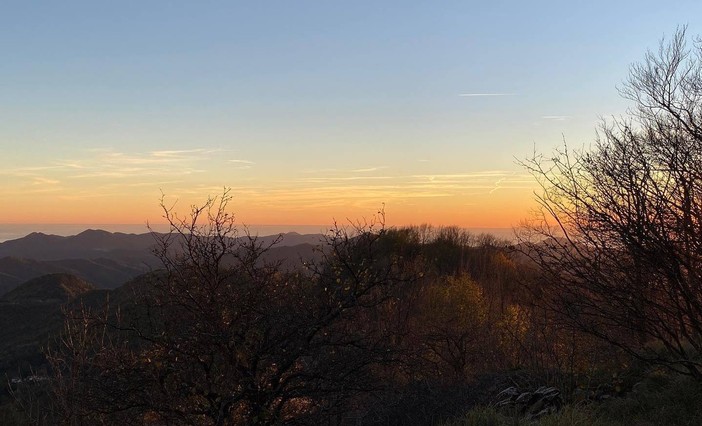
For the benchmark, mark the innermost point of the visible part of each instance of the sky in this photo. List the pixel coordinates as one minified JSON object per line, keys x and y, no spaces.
{"x":310,"y":111}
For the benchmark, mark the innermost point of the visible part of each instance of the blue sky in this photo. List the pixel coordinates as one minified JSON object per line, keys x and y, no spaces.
{"x":309,"y":110}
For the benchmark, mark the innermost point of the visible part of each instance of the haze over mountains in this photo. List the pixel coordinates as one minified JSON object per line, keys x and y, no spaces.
{"x":106,"y":259}
{"x":13,"y":231}
{"x":40,"y":273}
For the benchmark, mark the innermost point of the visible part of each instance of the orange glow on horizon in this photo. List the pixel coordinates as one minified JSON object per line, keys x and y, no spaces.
{"x":501,"y":209}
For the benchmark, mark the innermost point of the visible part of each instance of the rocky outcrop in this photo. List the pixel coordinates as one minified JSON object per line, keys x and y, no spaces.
{"x":531,"y":405}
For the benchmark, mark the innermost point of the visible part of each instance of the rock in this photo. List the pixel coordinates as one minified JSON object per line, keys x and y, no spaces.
{"x":531,"y":405}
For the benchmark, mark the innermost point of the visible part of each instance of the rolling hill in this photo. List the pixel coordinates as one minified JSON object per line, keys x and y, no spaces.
{"x":108,"y":260}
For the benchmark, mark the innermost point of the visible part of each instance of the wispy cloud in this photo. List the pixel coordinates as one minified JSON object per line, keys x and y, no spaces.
{"x":68,"y":165}
{"x":556,"y":117}
{"x":369,"y":169}
{"x":497,"y":185}
{"x":242,"y":164}
{"x":182,"y":152}
{"x":476,"y":95}
{"x":116,"y":163}
{"x":343,"y":178}
{"x":315,"y":171}
{"x":106,"y":171}
{"x":301,"y":193}
{"x":464,"y":176}
{"x":153,"y":157}
{"x":38,"y":180}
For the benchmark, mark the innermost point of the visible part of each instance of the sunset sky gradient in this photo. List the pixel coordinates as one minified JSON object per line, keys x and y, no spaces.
{"x":308,"y":110}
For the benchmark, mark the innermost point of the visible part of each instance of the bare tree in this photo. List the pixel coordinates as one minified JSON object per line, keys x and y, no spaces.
{"x":618,"y":239}
{"x":222,"y":336}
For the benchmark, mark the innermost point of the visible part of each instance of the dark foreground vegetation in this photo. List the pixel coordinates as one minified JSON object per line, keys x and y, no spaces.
{"x":593,"y":317}
{"x":383,"y":322}
{"x":400,"y":326}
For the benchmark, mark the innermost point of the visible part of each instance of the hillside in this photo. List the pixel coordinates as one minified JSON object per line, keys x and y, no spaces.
{"x":108,"y":260}
{"x":30,"y":314}
{"x":52,"y":288}
{"x":104,"y":273}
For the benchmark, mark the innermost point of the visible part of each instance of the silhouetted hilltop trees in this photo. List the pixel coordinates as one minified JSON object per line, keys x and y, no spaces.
{"x":626,"y":264}
{"x":221,"y":336}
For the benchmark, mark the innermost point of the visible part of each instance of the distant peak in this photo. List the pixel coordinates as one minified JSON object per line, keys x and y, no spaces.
{"x":36,"y":235}
{"x":93,"y":235}
{"x":94,"y":232}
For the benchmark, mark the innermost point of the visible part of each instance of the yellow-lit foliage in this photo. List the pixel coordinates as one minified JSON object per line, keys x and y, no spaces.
{"x":512,"y":332}
{"x":458,"y":300}
{"x":452,"y":323}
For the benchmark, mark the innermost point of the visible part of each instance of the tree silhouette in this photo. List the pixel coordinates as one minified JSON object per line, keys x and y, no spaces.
{"x":222,"y":336}
{"x":618,"y":238}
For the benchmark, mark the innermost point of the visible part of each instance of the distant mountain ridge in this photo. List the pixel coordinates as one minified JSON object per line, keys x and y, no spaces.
{"x":95,"y":244}
{"x":89,"y":244}
{"x":109,"y":259}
